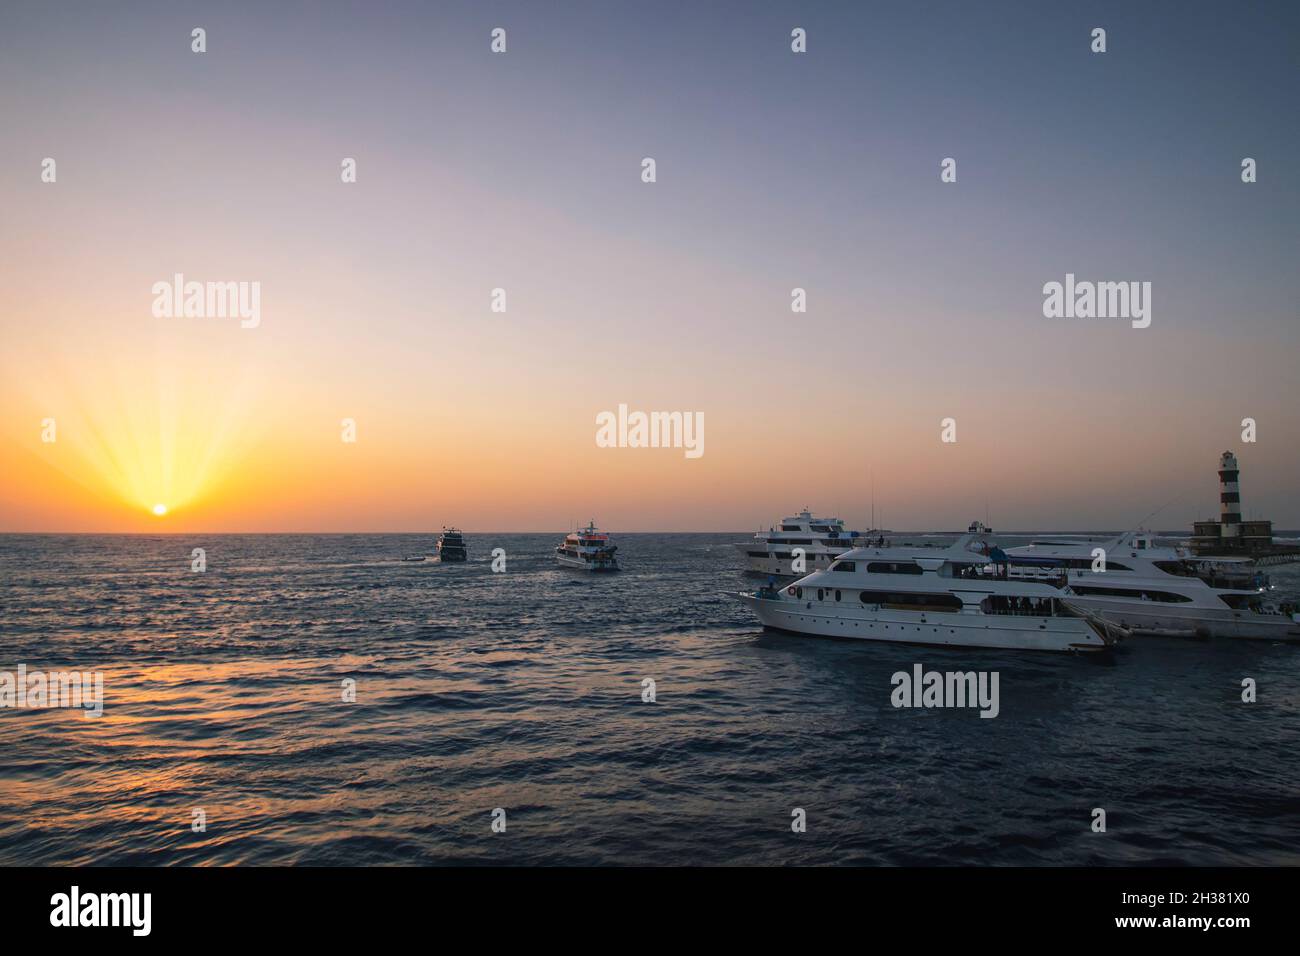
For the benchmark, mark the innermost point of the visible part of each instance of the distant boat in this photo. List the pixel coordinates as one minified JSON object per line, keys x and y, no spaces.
{"x":821,"y":540}
{"x":451,"y":546}
{"x":413,"y":557}
{"x":587,"y":550}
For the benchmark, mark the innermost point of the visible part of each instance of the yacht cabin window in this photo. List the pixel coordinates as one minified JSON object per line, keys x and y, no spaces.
{"x":893,"y":567}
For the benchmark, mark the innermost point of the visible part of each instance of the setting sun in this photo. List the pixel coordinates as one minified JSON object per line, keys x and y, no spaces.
{"x":160,"y":510}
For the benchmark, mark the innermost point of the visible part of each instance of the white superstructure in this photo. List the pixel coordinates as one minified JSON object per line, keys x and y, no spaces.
{"x":928,"y":596}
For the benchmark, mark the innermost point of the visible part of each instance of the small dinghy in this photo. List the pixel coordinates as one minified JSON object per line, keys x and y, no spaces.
{"x":1169,"y":632}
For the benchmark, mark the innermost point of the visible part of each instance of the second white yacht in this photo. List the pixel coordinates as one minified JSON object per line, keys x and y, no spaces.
{"x":1151,"y":589}
{"x":803,"y":544}
{"x":928,"y":596}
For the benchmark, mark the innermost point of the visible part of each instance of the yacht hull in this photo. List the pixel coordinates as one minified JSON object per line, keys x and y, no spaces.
{"x":591,"y":567}
{"x":825,"y":619}
{"x":1152,"y":617}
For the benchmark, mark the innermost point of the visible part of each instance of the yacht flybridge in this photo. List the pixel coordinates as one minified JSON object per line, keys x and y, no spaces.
{"x":587,"y":550}
{"x":1158,"y":590}
{"x":819,"y":540}
{"x":927,"y":596}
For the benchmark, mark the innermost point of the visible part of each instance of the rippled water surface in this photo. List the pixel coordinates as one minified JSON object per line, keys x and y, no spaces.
{"x":523,"y":691}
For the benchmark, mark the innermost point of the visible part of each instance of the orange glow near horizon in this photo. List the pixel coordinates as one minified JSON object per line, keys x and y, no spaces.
{"x":234,"y":460}
{"x":476,"y":420}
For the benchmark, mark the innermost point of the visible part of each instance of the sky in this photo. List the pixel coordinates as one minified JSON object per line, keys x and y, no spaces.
{"x":522,"y":171}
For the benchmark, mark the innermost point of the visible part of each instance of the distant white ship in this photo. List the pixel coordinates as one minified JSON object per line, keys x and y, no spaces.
{"x":587,"y":550}
{"x":820,"y":540}
{"x":923,"y":596}
{"x":1159,"y":590}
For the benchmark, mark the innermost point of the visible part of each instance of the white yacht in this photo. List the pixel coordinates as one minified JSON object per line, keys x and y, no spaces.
{"x":1151,"y":589}
{"x":927,"y":596}
{"x":819,"y":540}
{"x":587,"y":550}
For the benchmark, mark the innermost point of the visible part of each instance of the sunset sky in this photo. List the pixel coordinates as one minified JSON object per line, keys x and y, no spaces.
{"x":523,"y":171}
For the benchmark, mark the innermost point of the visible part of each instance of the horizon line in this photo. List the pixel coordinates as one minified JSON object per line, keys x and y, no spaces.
{"x":954,"y":531}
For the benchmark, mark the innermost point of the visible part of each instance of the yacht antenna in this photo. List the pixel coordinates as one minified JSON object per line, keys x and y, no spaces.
{"x":1153,"y":514}
{"x":873,"y":498}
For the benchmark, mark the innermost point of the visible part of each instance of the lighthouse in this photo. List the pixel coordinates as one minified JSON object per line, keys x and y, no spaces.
{"x":1229,"y":498}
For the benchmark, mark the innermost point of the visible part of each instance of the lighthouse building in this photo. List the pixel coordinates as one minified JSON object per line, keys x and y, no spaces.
{"x":1231,"y":535}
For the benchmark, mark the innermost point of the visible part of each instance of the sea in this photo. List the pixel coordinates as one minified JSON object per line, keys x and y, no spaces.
{"x":315,"y":699}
